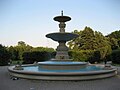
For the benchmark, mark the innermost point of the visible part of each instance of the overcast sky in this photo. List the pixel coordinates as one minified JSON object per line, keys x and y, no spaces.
{"x":31,"y":20}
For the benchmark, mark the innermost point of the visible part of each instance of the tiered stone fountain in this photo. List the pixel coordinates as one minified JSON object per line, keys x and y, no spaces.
{"x":62,"y":61}
{"x":62,"y":37}
{"x":62,"y":68}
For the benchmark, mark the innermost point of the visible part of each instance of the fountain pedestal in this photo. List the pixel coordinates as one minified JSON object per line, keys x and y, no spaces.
{"x":62,"y":52}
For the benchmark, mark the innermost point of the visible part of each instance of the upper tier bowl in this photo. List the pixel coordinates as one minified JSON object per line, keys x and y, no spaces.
{"x":61,"y":36}
{"x":62,"y":18}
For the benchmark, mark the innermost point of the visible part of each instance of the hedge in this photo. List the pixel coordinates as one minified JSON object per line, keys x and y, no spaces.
{"x":35,"y":56}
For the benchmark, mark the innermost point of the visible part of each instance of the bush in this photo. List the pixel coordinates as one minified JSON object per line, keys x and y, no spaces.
{"x":4,"y":56}
{"x":31,"y":57}
{"x":116,"y":56}
{"x":86,"y":55}
{"x":95,"y":57}
{"x":53,"y":54}
{"x":82,"y":55}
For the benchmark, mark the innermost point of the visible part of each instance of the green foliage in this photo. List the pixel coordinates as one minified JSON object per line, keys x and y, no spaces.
{"x":82,"y":55}
{"x":86,"y":55}
{"x":95,"y":57}
{"x":21,"y":48}
{"x":90,"y":46}
{"x":43,"y":49}
{"x":53,"y":54}
{"x":113,"y":43}
{"x":115,"y":35}
{"x":35,"y":56}
{"x":22,"y":51}
{"x":116,"y":56}
{"x":90,"y":40}
{"x":4,"y":56}
{"x":14,"y":53}
{"x":21,"y":43}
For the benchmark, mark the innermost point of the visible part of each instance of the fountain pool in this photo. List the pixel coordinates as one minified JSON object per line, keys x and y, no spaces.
{"x":36,"y":71}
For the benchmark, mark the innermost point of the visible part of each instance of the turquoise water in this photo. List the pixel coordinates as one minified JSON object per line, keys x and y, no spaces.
{"x":63,"y":62}
{"x":38,"y":69}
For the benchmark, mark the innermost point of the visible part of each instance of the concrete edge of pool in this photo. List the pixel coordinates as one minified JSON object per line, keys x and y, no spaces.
{"x":64,"y":75}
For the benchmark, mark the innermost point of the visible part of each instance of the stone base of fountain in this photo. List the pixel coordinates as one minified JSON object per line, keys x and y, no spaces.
{"x":54,"y":74}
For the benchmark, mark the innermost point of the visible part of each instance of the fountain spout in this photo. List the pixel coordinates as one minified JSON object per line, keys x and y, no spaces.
{"x":62,"y":13}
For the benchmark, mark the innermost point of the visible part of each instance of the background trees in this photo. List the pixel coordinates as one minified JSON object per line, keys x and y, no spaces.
{"x":36,"y":56}
{"x":4,"y":55}
{"x":91,"y":44}
{"x":28,"y":54}
{"x":115,"y":39}
{"x":115,"y":56}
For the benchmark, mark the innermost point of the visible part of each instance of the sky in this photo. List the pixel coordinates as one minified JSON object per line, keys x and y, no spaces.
{"x":31,"y":20}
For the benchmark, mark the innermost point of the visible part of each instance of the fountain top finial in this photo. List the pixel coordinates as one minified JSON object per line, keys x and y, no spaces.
{"x":62,"y":13}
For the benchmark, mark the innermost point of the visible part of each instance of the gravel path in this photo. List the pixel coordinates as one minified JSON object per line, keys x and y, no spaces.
{"x":6,"y":83}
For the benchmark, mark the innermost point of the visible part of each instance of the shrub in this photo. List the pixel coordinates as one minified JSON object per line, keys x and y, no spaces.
{"x":95,"y":57}
{"x":4,"y":56}
{"x":53,"y":54}
{"x":116,"y":56}
{"x":85,"y":55}
{"x":82,"y":55}
{"x":31,"y":57}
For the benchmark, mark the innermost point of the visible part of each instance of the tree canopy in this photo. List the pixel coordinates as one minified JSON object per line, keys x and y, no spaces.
{"x":4,"y":55}
{"x":114,"y":38}
{"x":90,"y":40}
{"x":23,"y":50}
{"x":90,"y":46}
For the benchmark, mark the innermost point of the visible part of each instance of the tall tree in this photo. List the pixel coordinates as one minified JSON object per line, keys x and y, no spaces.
{"x":14,"y":53}
{"x":91,"y":40}
{"x":4,"y":55}
{"x":21,"y":48}
{"x":116,"y":36}
{"x":21,"y":43}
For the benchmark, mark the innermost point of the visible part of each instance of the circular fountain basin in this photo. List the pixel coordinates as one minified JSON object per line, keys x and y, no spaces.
{"x":44,"y":73}
{"x":61,"y":36}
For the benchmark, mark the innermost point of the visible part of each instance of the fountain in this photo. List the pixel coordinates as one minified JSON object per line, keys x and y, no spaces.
{"x":62,"y":68}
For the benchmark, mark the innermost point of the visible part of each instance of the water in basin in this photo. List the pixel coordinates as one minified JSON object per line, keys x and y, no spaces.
{"x":61,"y":62}
{"x":38,"y":69}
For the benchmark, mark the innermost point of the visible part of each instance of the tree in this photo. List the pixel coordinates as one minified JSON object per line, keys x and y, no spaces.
{"x":116,"y":35}
{"x":21,"y":48}
{"x":35,"y":56}
{"x":14,"y":53}
{"x":91,"y":40}
{"x":43,"y":49}
{"x":4,"y":55}
{"x":115,"y":56}
{"x":113,"y":43}
{"x":21,"y":43}
{"x":29,"y":54}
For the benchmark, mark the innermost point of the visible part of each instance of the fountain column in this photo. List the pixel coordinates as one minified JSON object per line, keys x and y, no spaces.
{"x":62,"y":49}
